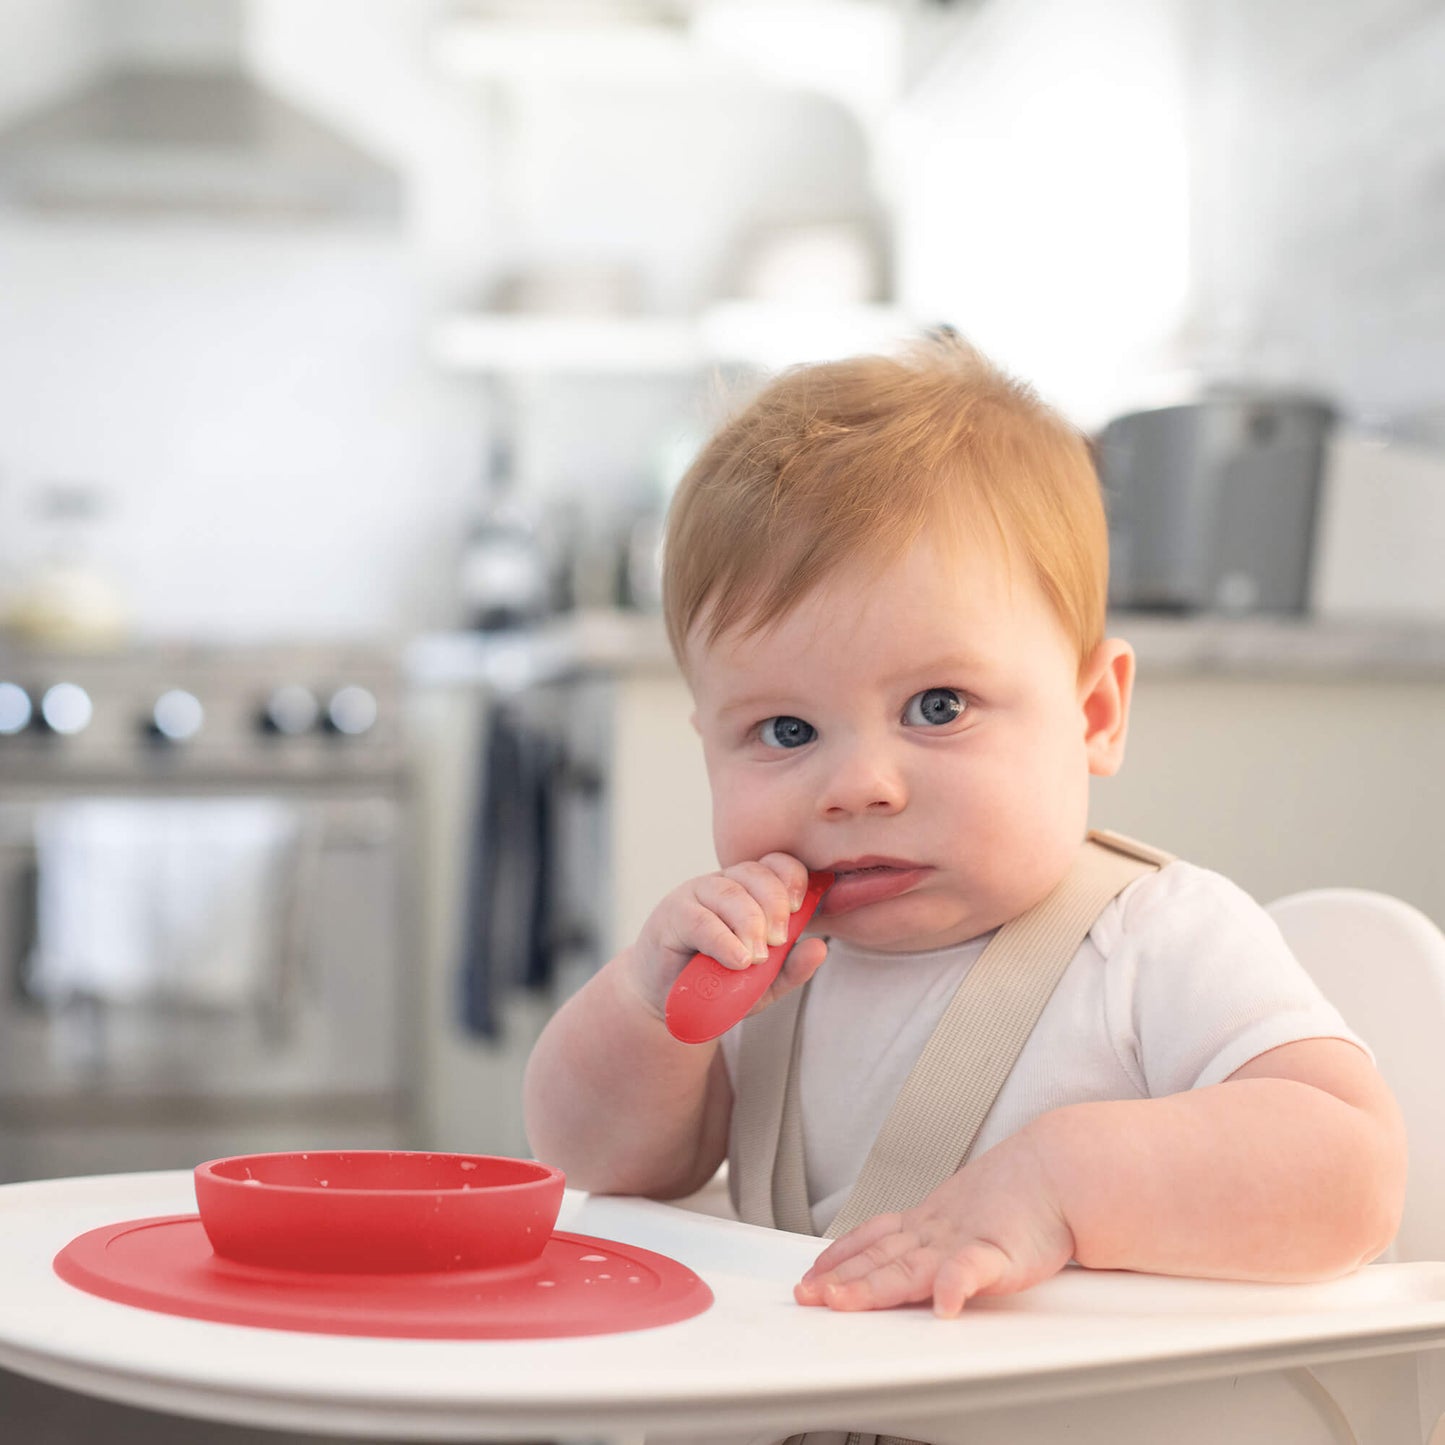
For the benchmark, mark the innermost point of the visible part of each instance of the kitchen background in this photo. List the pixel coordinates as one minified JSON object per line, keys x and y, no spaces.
{"x":348,"y":355}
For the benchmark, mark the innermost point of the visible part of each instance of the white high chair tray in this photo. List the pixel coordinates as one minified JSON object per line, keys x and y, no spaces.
{"x":754,"y":1360}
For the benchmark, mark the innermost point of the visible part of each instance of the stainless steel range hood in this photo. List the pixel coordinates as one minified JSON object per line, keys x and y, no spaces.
{"x":163,"y":130}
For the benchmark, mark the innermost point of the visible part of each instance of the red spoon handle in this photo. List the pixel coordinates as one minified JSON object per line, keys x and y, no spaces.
{"x":708,"y":999}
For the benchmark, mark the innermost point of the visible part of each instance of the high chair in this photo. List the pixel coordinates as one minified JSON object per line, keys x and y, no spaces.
{"x":1382,"y":964}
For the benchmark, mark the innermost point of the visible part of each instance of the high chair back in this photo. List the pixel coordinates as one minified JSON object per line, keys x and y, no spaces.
{"x":1382,"y":964}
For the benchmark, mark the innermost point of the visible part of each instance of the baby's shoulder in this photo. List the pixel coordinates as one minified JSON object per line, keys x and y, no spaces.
{"x":1172,"y":904}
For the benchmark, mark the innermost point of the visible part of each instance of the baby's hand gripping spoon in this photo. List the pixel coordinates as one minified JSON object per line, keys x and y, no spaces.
{"x":708,"y":999}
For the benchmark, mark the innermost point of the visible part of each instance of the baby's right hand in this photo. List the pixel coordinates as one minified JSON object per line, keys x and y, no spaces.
{"x":734,"y":916}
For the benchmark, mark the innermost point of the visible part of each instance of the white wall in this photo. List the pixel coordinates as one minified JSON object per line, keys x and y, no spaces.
{"x":1042,"y":180}
{"x":1320,"y":210}
{"x":57,"y":45}
{"x":281,"y":456}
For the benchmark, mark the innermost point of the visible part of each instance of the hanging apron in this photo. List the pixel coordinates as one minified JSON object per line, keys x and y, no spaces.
{"x":942,"y":1105}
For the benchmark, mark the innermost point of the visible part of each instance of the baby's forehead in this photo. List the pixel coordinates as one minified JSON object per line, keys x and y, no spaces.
{"x":924,"y":599}
{"x":758,"y":599}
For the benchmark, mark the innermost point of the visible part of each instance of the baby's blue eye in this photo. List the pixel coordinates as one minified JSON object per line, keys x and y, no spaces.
{"x":935,"y":708}
{"x":787,"y":732}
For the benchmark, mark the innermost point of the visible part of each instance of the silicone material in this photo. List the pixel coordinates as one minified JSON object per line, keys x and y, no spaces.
{"x":708,"y":998}
{"x":578,"y":1286}
{"x":378,"y":1211}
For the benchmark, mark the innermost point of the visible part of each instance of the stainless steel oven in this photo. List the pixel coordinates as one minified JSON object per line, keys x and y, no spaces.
{"x":204,"y":920}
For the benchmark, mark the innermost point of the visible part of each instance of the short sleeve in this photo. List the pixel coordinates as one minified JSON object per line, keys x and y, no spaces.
{"x":1199,"y":981}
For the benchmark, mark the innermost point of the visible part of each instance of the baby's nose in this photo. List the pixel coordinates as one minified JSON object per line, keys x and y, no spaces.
{"x":862,"y":782}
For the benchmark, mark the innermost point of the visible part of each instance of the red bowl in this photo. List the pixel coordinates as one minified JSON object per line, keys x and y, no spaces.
{"x":378,"y":1211}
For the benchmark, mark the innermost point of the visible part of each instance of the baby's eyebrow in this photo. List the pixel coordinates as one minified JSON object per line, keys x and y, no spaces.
{"x":932,"y":672}
{"x":939,"y":670}
{"x":754,"y":703}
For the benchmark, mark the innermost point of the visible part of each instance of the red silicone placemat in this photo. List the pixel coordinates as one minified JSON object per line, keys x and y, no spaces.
{"x":580,"y":1286}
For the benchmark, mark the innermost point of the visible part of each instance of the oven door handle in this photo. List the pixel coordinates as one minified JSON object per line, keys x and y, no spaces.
{"x":324,"y":831}
{"x":19,"y":913}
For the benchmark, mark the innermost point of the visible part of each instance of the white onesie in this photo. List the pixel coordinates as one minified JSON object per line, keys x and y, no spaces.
{"x":1182,"y":980}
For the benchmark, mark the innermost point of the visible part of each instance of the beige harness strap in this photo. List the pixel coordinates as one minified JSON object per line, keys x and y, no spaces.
{"x":767,"y":1058}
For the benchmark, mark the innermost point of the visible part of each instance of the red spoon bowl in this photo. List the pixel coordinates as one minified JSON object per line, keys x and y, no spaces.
{"x":378,"y":1211}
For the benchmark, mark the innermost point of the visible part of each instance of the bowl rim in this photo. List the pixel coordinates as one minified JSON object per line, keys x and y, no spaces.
{"x":547,"y":1174}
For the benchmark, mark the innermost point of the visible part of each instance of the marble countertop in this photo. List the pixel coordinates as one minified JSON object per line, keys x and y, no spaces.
{"x":1298,"y":648}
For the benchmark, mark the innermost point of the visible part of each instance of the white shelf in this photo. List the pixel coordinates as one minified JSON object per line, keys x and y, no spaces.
{"x":852,"y":51}
{"x":619,"y":53}
{"x":734,"y":333}
{"x":494,"y":341}
{"x":754,"y":333}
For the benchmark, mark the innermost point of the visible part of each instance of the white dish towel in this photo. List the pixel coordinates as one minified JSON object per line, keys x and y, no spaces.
{"x":184,"y":900}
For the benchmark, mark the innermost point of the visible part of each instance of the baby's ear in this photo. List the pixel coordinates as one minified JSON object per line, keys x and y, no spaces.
{"x":692,"y":718}
{"x":1105,"y":687}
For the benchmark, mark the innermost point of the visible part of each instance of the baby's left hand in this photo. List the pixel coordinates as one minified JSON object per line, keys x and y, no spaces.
{"x":994,"y":1227}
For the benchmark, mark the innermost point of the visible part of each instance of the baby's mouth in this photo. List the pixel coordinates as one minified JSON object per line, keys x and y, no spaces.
{"x":856,"y":885}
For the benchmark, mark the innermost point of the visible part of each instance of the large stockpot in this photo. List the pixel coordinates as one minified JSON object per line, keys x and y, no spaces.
{"x":1213,"y":503}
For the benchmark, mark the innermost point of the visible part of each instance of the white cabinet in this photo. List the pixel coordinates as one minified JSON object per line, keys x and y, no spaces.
{"x":1290,"y":784}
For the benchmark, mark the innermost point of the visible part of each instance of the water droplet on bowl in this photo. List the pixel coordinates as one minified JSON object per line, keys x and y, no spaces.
{"x":595,"y":1258}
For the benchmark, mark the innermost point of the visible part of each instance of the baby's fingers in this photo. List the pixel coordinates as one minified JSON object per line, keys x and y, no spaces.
{"x":730,"y":922}
{"x":897,"y":1270}
{"x":793,"y":875}
{"x":804,"y":960}
{"x":854,"y":1242}
{"x":700,"y":927}
{"x":874,"y":1245}
{"x":975,"y":1269}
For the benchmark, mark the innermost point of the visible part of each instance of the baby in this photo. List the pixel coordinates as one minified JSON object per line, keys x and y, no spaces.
{"x":885,"y":585}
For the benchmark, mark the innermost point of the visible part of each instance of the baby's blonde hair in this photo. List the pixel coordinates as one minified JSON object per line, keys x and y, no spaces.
{"x":855,"y":460}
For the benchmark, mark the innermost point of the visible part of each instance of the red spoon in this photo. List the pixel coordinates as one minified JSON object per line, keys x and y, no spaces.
{"x":708,"y":999}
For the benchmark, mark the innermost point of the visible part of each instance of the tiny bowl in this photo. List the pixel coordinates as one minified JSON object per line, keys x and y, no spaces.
{"x":378,"y":1211}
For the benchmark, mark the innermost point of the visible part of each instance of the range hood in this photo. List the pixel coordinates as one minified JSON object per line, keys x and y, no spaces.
{"x":159,"y":129}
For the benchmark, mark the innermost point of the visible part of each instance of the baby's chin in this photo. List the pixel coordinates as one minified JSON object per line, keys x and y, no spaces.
{"x":903,"y":926}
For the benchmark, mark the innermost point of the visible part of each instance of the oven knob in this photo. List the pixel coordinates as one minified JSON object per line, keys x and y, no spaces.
{"x":290,"y":711}
{"x":16,"y":709}
{"x":176,"y":717}
{"x":351,"y":712}
{"x":66,"y":709}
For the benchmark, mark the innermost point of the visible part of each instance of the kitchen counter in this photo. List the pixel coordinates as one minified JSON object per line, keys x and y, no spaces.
{"x":1305,"y":648}
{"x":589,"y":641}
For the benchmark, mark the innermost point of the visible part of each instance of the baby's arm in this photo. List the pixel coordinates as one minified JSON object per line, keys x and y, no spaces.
{"x":610,"y":1097}
{"x":1292,"y":1169}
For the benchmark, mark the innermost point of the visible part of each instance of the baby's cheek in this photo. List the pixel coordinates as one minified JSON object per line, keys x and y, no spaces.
{"x":746,"y":821}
